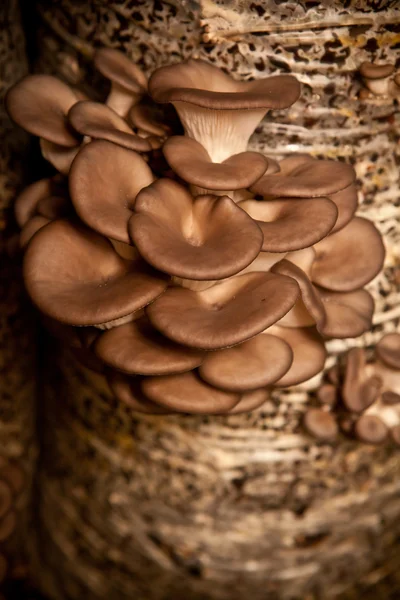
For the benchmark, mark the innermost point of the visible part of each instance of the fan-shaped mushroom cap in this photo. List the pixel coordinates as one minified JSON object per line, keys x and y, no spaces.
{"x":201,"y":238}
{"x":39,"y":104}
{"x":138,"y":348}
{"x":321,"y":424}
{"x":292,"y":224}
{"x":128,"y":82}
{"x":74,"y":275}
{"x":348,"y":314}
{"x":248,"y":366}
{"x":371,"y":429}
{"x":226,"y":314}
{"x":346,"y":202}
{"x":30,"y":228}
{"x":99,"y":121}
{"x":372,"y":71}
{"x":312,"y":178}
{"x":359,"y":391}
{"x":143,"y":118}
{"x":104,"y":182}
{"x":349,"y":258}
{"x":188,"y":393}
{"x":193,"y":164}
{"x":250,"y":401}
{"x":309,"y":353}
{"x":127,"y":390}
{"x":216,"y":110}
{"x":388,"y":350}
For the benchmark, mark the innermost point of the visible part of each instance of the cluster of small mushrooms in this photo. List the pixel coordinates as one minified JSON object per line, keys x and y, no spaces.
{"x":194,"y":273}
{"x":379,"y":80}
{"x":11,"y":483}
{"x":361,"y":397}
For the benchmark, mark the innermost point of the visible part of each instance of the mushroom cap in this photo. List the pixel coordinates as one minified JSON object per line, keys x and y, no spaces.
{"x":60,"y":157}
{"x":346,"y":201}
{"x":191,"y":161}
{"x":347,"y":314}
{"x":142,"y":116}
{"x":203,"y":238}
{"x":101,"y":122}
{"x":390,"y":398}
{"x":205,"y":85}
{"x":26,"y":203}
{"x":127,"y":390}
{"x":30,"y":228}
{"x":349,"y":258}
{"x":39,"y":104}
{"x":188,"y":393}
{"x":292,"y":224}
{"x":74,"y":275}
{"x":359,"y":391}
{"x":388,"y":350}
{"x":226,"y":314}
{"x":321,"y":424}
{"x":311,"y":178}
{"x":327,"y":394}
{"x":372,"y":71}
{"x":371,"y":429}
{"x":104,"y":182}
{"x":248,"y":366}
{"x":250,"y":401}
{"x":139,"y":349}
{"x":117,"y":67}
{"x":309,"y":353}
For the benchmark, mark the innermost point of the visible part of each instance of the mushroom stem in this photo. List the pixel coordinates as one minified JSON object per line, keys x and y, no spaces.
{"x":121,"y":100}
{"x":223,"y":133}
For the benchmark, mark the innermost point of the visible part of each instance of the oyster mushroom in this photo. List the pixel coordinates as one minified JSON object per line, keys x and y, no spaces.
{"x":321,"y":424}
{"x":104,"y":182}
{"x":215,"y":110}
{"x":376,"y":77}
{"x":203,"y":238}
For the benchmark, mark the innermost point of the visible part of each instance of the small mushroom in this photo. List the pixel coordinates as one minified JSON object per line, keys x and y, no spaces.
{"x":348,"y":314}
{"x":99,"y":121}
{"x":349,"y":258}
{"x":292,"y":224}
{"x":137,"y":348}
{"x":40,"y":104}
{"x":128,"y":82}
{"x":104,"y":182}
{"x":216,"y":110}
{"x":388,"y":350}
{"x":251,"y":365}
{"x":74,"y":275}
{"x":359,"y":392}
{"x":188,"y":393}
{"x":327,"y":394}
{"x":203,"y":238}
{"x":371,"y":429}
{"x":376,"y":77}
{"x":225,"y":314}
{"x":193,"y":164}
{"x":321,"y":424}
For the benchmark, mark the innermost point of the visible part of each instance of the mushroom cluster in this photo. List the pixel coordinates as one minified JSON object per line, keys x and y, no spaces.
{"x":11,"y":483}
{"x":361,"y":396}
{"x":379,"y":80}
{"x":198,"y":278}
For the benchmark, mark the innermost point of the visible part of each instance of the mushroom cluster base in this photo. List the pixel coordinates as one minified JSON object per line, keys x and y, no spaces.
{"x":247,"y":506}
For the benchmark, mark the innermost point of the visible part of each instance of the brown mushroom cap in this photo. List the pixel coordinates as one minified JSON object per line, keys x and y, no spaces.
{"x":312,"y":178}
{"x":309,"y":353}
{"x":372,"y":71}
{"x":371,"y":429}
{"x":101,"y":122}
{"x":248,"y":366}
{"x":250,"y":401}
{"x":30,"y":228}
{"x":348,"y":314}
{"x":346,"y":201}
{"x":74,"y":275}
{"x":104,"y":182}
{"x":349,"y":258}
{"x":60,"y":157}
{"x":205,"y":85}
{"x":327,"y":394}
{"x":188,"y":393}
{"x":191,"y":161}
{"x":39,"y":104}
{"x":390,"y":398}
{"x":26,"y":203}
{"x":359,"y":391}
{"x":292,"y":224}
{"x":201,"y":238}
{"x":127,"y":390}
{"x":143,"y":117}
{"x":226,"y":314}
{"x":137,"y":348}
{"x":117,"y":67}
{"x":321,"y":424}
{"x":388,"y":350}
